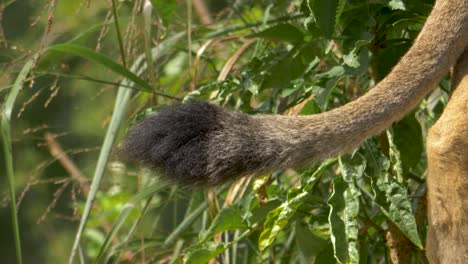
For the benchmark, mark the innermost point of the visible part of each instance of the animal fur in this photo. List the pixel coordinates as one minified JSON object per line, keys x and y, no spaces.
{"x":199,"y":143}
{"x":447,"y":180}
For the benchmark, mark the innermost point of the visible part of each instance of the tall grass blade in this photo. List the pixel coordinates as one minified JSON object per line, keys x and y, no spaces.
{"x":103,"y":60}
{"x":120,"y":108}
{"x":7,"y":150}
{"x":128,"y":207}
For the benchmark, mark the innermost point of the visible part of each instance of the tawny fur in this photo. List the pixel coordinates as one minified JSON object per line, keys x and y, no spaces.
{"x":447,"y":181}
{"x":203,"y":144}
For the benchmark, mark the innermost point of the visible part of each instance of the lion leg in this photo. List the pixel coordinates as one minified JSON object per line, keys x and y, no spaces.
{"x":447,"y":181}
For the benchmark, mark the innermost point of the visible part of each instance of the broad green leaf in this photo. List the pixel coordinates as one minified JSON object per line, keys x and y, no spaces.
{"x":314,"y":176}
{"x":351,"y":172}
{"x":326,"y":13}
{"x":309,"y":243}
{"x":344,"y":210}
{"x":284,"y":70}
{"x":310,"y":108}
{"x":279,"y":217}
{"x":229,"y":218}
{"x":393,"y":200}
{"x":405,"y":131}
{"x":260,"y":213}
{"x":328,"y":81}
{"x":365,"y":250}
{"x":335,"y":71}
{"x":281,"y":32}
{"x":395,"y":159}
{"x":326,"y":256}
{"x":336,"y":220}
{"x":388,"y":56}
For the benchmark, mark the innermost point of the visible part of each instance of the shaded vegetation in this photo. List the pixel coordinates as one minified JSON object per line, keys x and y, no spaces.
{"x":76,"y":76}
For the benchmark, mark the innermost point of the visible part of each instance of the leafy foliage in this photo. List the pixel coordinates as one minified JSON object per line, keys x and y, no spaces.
{"x":260,"y":57}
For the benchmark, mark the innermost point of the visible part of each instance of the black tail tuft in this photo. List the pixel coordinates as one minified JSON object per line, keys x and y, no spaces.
{"x":175,"y":141}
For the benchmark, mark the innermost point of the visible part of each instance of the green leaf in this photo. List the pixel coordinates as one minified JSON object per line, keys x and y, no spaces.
{"x":353,"y":58}
{"x":118,"y":115}
{"x":260,"y":213}
{"x":408,"y":130}
{"x":229,"y":218}
{"x":395,"y":159}
{"x":202,"y":254}
{"x":397,"y":5}
{"x":331,"y":77}
{"x":309,"y":243}
{"x":279,"y":217}
{"x":101,"y":59}
{"x":344,"y":210}
{"x":351,"y":172}
{"x":337,"y":224}
{"x":284,"y":70}
{"x":125,"y":212}
{"x":393,"y":200}
{"x":335,"y":71}
{"x":326,"y":14}
{"x":388,"y":56}
{"x":326,"y":256}
{"x":310,"y":108}
{"x":281,"y":32}
{"x":165,"y":10}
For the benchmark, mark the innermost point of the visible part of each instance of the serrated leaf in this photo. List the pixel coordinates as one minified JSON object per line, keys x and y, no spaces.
{"x":229,"y":218}
{"x":393,"y":200}
{"x":344,"y":210}
{"x":326,"y":14}
{"x":281,"y":32}
{"x":337,"y":224}
{"x":395,"y":159}
{"x":352,"y":171}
